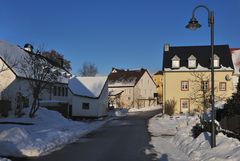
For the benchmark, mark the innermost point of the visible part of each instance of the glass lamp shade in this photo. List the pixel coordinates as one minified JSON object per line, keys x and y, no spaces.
{"x":193,"y":24}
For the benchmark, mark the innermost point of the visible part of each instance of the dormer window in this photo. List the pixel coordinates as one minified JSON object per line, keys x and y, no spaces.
{"x":192,"y":62}
{"x":175,"y":62}
{"x":216,"y":63}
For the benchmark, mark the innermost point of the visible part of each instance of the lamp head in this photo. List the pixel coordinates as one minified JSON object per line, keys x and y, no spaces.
{"x":193,"y":24}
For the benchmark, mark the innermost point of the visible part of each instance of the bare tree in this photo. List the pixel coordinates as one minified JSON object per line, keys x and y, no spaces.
{"x":40,"y":75}
{"x":201,"y":91}
{"x":88,"y":70}
{"x":59,"y":58}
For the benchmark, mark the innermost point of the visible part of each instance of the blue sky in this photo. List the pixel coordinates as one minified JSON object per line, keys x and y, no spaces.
{"x":115,"y":33}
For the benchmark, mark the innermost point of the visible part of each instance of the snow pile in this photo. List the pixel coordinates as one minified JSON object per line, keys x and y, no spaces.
{"x":144,"y":109}
{"x":172,"y":136}
{"x":4,"y":159}
{"x":50,"y":132}
{"x":119,"y":112}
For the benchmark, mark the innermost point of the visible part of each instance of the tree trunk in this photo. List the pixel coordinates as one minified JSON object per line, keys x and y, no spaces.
{"x":34,"y":108}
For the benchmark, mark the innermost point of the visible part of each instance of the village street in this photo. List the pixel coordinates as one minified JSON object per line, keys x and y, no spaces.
{"x":122,"y":139}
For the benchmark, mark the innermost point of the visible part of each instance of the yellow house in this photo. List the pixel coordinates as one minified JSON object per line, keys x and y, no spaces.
{"x":158,"y":79}
{"x":187,"y":76}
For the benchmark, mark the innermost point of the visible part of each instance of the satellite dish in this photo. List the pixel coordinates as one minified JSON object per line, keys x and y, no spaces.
{"x":228,"y":78}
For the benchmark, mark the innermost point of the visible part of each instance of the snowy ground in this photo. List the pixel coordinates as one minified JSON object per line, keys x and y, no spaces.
{"x":50,"y":132}
{"x":172,"y":141}
{"x":144,"y":109}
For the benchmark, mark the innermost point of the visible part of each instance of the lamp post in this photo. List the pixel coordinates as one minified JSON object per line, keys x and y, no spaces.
{"x":193,"y":25}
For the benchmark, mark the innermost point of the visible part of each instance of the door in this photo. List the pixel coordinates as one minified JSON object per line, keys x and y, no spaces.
{"x":184,"y":105}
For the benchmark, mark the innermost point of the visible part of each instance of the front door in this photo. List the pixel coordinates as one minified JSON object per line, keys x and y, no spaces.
{"x":184,"y":105}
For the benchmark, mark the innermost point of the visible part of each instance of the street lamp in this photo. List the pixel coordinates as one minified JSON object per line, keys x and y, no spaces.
{"x":193,"y":25}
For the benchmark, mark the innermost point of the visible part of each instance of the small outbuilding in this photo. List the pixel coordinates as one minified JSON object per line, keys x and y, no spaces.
{"x":88,"y":96}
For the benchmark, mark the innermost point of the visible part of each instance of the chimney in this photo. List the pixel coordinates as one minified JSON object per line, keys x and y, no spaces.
{"x":166,"y":47}
{"x":28,"y":47}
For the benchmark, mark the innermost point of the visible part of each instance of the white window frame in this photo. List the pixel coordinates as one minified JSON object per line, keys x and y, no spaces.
{"x":175,"y":63}
{"x":192,"y":62}
{"x":216,"y":61}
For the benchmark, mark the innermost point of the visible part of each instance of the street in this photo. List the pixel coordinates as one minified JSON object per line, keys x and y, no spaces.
{"x":122,"y":139}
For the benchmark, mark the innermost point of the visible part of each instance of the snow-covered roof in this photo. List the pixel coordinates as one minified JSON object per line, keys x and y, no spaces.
{"x":12,"y":54}
{"x":115,"y":92}
{"x":199,"y":68}
{"x":125,"y":78}
{"x":201,"y":53}
{"x":87,"y":86}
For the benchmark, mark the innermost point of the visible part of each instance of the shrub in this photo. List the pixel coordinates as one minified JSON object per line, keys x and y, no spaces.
{"x":197,"y":130}
{"x":169,"y":106}
{"x":203,"y":127}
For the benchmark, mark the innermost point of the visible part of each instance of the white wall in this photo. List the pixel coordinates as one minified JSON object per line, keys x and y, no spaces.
{"x":98,"y":107}
{"x":144,"y":89}
{"x":127,"y":96}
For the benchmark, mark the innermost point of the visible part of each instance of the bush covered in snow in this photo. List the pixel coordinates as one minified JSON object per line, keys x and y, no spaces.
{"x":169,"y":107}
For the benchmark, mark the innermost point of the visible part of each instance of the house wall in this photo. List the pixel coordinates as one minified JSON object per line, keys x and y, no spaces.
{"x":172,"y":87}
{"x":126,"y":97}
{"x":97,"y":107}
{"x":158,"y":79}
{"x":144,"y":89}
{"x":6,"y":78}
{"x":10,"y":85}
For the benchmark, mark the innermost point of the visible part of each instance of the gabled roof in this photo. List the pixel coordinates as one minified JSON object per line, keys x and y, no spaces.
{"x":159,"y":72}
{"x":16,"y":54}
{"x":202,"y":54}
{"x":125,"y":78}
{"x":91,"y":87}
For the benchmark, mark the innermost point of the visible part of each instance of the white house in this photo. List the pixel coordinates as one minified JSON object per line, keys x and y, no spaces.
{"x":88,"y":96}
{"x":236,"y":63}
{"x":13,"y":82}
{"x":134,"y":88}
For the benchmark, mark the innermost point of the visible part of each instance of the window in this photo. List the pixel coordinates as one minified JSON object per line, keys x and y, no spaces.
{"x":63,"y":90}
{"x":59,"y":91}
{"x":175,"y":62}
{"x":192,"y":62}
{"x":66,"y":91}
{"x":216,"y":61}
{"x":184,"y":105}
{"x":54,"y":90}
{"x":85,"y":106}
{"x":184,"y":85}
{"x":222,"y":86}
{"x":205,"y":85}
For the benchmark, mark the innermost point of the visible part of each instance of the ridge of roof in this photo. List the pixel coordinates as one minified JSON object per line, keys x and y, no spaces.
{"x":125,"y":77}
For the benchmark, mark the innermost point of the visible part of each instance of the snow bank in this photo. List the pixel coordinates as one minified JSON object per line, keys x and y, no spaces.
{"x":144,"y":109}
{"x":176,"y":131}
{"x":50,"y":132}
{"x":4,"y":159}
{"x":120,"y":112}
